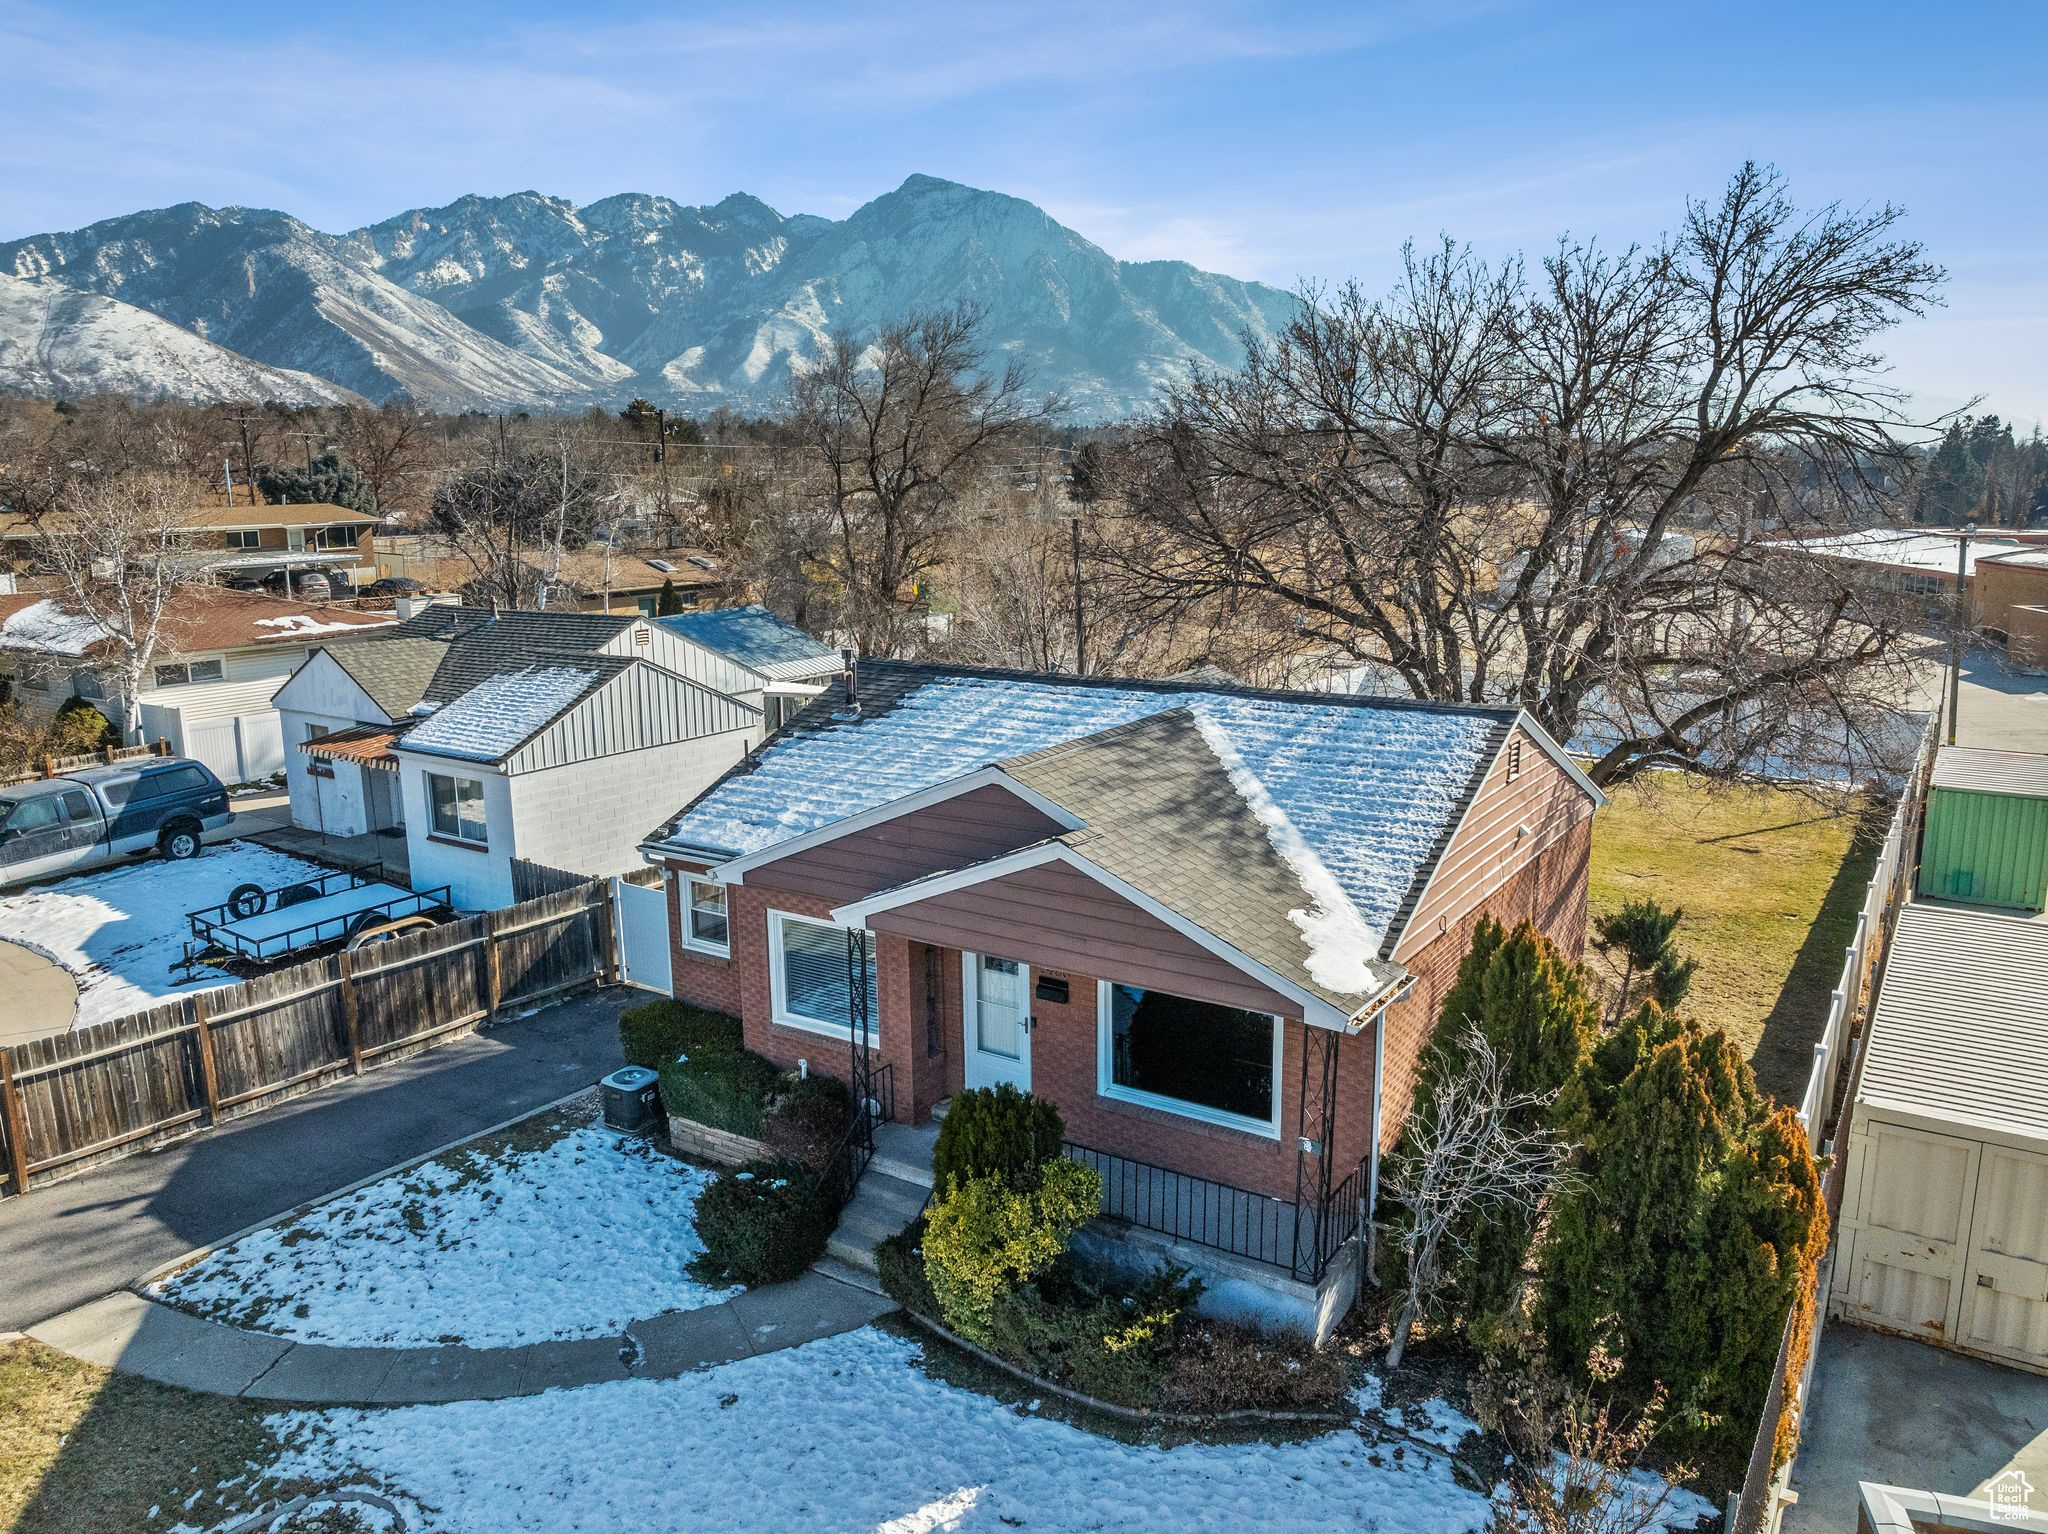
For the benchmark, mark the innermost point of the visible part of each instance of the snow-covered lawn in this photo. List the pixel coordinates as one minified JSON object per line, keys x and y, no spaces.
{"x":498,"y":1243}
{"x":846,"y":1434}
{"x":119,"y":931}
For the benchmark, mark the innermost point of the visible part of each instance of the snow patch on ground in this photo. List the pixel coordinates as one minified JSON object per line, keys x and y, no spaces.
{"x":1433,"y":1421}
{"x":119,"y":932}
{"x":577,"y":1238}
{"x":845,"y":1434}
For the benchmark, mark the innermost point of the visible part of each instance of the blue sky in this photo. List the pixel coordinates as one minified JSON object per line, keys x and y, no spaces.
{"x":1279,"y":141}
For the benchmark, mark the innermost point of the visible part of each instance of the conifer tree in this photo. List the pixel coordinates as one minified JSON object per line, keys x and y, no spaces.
{"x":1538,"y":1016}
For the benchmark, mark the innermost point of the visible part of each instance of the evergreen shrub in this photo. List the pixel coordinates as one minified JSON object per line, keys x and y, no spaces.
{"x":996,"y":1132}
{"x":762,"y":1223}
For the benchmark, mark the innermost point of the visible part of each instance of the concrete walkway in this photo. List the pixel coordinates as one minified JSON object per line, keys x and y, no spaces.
{"x":38,"y":997}
{"x":139,"y":1336}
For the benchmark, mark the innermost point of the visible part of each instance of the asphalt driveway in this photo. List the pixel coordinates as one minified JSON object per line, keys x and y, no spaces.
{"x":76,"y":1240}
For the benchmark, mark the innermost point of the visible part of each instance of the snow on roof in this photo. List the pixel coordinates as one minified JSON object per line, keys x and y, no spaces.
{"x":757,"y":639}
{"x":46,"y":627}
{"x":306,"y":623}
{"x":1933,"y":552}
{"x":1364,"y":791}
{"x":497,"y":716}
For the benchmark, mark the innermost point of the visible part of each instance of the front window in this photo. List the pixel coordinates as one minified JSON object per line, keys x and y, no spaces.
{"x":807,"y":968}
{"x":458,"y":808}
{"x":707,"y":930}
{"x":174,"y":675}
{"x":244,"y":538}
{"x":334,"y":538}
{"x":1220,"y":1064}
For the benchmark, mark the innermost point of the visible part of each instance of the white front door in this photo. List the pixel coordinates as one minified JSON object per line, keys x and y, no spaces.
{"x":998,"y":1019}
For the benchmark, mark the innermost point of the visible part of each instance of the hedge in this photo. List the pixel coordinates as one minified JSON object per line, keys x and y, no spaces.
{"x":996,"y":1132}
{"x":654,"y":1033}
{"x":729,"y":1091}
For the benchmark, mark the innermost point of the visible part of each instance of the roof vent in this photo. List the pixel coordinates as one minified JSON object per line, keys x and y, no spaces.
{"x":849,"y":672}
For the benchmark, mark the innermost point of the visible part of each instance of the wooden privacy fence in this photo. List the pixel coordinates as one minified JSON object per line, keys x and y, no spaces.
{"x":113,"y":1089}
{"x":56,"y":766}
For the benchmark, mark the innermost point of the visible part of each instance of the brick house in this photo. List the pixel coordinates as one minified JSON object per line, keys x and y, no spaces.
{"x":1212,"y":924}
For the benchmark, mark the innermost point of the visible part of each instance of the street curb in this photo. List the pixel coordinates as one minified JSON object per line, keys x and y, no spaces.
{"x":199,"y":1253}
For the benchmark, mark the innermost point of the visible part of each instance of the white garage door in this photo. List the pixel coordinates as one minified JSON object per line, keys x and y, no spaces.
{"x":2005,"y":1287}
{"x":1947,"y":1239}
{"x":1914,"y":1193}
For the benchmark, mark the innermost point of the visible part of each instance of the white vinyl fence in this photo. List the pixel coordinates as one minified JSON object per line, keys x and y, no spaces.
{"x":1881,"y":902}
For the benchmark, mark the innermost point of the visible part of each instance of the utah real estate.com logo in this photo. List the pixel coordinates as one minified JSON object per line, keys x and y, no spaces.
{"x":2010,"y":1496}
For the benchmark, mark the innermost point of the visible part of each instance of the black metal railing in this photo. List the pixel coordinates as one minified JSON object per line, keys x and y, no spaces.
{"x":856,"y":1147}
{"x":1301,"y":1242}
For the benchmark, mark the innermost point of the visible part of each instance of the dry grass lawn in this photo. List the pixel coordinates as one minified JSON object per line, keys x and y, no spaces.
{"x":1770,"y":882}
{"x":83,"y":1448}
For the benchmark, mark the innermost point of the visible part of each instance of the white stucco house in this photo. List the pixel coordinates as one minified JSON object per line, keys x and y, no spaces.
{"x":490,"y":737}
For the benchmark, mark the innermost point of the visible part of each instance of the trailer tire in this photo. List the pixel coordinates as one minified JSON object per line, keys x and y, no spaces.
{"x":247,"y":900}
{"x":179,"y":840}
{"x":372,"y":927}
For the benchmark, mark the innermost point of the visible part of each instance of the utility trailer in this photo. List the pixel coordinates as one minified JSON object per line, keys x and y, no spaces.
{"x":265,"y":926}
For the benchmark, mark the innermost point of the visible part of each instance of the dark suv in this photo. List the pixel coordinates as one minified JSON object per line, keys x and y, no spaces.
{"x":104,"y":814}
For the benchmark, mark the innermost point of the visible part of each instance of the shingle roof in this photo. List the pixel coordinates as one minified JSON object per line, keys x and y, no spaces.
{"x":757,"y":639}
{"x":1163,"y":814}
{"x":1335,"y":807}
{"x":505,"y":710}
{"x":394,"y":671}
{"x":197,"y":619}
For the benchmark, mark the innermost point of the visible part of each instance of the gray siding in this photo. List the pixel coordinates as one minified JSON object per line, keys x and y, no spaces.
{"x":953,"y":833}
{"x":1053,"y":917}
{"x":643,"y":706}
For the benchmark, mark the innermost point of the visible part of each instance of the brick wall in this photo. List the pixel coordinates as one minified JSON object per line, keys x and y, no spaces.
{"x":1550,"y":891}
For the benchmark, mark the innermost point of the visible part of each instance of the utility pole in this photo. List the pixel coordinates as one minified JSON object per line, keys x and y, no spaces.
{"x":661,"y":458}
{"x":1958,"y":622}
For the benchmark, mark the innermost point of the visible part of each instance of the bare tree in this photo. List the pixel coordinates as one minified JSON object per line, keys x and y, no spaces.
{"x":1579,"y":1464}
{"x":388,"y":445}
{"x":119,"y":548}
{"x":1465,"y":1161}
{"x":1566,"y":488}
{"x":897,"y":427}
{"x":509,"y":518}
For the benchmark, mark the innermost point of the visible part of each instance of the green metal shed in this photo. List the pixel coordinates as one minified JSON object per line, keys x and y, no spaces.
{"x":1986,"y":837}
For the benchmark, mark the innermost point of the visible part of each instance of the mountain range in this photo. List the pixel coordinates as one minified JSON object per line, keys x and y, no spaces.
{"x":529,"y":301}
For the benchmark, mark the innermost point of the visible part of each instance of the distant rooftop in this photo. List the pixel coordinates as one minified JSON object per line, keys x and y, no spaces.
{"x":757,"y":639}
{"x":1905,"y":549}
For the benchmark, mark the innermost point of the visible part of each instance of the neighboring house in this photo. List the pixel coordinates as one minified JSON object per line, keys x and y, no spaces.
{"x":1919,"y":563}
{"x":219,"y":657}
{"x":2011,"y":603}
{"x":1212,"y":924}
{"x":490,"y":737}
{"x":596,"y":580}
{"x":254,"y":541}
{"x":779,"y":666}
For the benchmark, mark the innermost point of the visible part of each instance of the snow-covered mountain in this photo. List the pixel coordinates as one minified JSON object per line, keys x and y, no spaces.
{"x":530,"y":300}
{"x":57,"y":340}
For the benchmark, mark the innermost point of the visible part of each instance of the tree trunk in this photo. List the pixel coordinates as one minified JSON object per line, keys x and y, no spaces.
{"x":1402,"y":1327}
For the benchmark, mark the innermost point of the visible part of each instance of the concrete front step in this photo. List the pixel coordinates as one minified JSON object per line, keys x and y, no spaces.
{"x":846,"y":1273}
{"x":881,"y":1206}
{"x":904,"y":1153}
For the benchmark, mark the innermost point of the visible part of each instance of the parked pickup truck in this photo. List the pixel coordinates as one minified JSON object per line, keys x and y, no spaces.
{"x":105,"y":814}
